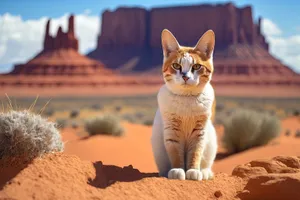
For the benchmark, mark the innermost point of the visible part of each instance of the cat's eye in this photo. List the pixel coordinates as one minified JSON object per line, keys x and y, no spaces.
{"x":197,"y":66}
{"x":176,"y":66}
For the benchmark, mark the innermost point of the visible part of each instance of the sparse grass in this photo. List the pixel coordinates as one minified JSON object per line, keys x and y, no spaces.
{"x":246,"y":129}
{"x":296,"y":113}
{"x":74,"y":113}
{"x":61,"y":123}
{"x":106,"y":125}
{"x":118,"y":108}
{"x":75,"y":125}
{"x":49,"y":112}
{"x":97,"y":107}
{"x":24,"y":136}
{"x":148,"y":122}
{"x":287,"y":132}
{"x":297,"y":134}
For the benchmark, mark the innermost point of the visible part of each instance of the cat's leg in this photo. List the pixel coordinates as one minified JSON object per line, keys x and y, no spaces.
{"x":195,"y":148}
{"x":158,"y":147}
{"x":174,"y":148}
{"x":209,"y":153}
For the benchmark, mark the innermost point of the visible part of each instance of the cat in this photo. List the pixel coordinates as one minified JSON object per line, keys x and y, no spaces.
{"x":184,"y":140}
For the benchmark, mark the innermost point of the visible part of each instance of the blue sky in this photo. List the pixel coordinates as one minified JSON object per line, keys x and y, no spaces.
{"x":282,"y":22}
{"x":284,"y":13}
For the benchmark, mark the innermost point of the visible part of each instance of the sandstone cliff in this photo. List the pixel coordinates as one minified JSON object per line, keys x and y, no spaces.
{"x":60,"y":56}
{"x":130,"y":39}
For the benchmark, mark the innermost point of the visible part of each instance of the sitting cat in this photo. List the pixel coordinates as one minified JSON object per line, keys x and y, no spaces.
{"x":183,"y":139}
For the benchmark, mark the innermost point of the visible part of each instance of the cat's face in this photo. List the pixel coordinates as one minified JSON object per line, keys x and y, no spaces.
{"x":186,"y":70}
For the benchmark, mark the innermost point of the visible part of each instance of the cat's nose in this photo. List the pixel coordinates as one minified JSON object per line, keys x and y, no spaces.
{"x":185,"y":78}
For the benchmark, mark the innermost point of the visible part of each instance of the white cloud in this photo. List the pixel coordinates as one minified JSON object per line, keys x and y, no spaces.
{"x":287,"y":49}
{"x":21,"y":39}
{"x":270,"y":28}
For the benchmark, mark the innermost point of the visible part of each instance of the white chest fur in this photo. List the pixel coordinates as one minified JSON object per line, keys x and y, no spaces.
{"x":186,"y":106}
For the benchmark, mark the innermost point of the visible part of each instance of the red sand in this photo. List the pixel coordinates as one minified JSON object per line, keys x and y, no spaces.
{"x":132,"y":148}
{"x":131,"y":88}
{"x":135,"y":148}
{"x":65,"y":176}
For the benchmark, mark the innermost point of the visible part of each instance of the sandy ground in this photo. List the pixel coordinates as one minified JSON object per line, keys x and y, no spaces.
{"x":132,"y":148}
{"x":145,"y":89}
{"x":61,"y":176}
{"x":127,"y":171}
{"x":135,"y":148}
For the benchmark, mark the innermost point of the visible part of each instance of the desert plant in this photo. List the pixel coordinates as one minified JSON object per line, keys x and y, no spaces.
{"x":118,"y":108}
{"x":139,"y":115}
{"x":129,"y":118}
{"x":220,"y":107}
{"x":246,"y":129}
{"x":74,"y":113}
{"x":297,"y":134}
{"x":148,"y":122}
{"x":106,"y":124}
{"x":97,"y":107}
{"x":49,"y":112}
{"x":24,"y":136}
{"x":287,"y":132}
{"x":75,"y":125}
{"x":61,"y":123}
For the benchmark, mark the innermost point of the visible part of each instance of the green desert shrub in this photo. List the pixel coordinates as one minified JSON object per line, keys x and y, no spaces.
{"x":24,"y":136}
{"x":106,"y":125}
{"x":246,"y":129}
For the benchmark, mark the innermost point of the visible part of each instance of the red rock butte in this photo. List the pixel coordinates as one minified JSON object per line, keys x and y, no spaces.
{"x":60,"y":56}
{"x":241,"y":53}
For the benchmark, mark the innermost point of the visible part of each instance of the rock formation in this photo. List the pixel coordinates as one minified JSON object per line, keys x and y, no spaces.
{"x":276,"y":178}
{"x":60,"y":56}
{"x":132,"y":35}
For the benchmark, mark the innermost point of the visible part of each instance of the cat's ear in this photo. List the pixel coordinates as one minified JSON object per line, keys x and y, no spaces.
{"x":169,"y":42}
{"x":206,"y":44}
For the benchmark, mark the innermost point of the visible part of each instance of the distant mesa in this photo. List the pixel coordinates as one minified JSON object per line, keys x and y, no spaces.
{"x":133,"y":35}
{"x":60,"y":56}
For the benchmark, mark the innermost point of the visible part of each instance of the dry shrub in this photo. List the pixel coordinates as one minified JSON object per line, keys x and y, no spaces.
{"x":25,"y":136}
{"x":106,"y":125}
{"x":246,"y":129}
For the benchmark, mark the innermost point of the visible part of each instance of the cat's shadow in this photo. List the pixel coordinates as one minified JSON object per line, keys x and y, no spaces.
{"x":107,"y":175}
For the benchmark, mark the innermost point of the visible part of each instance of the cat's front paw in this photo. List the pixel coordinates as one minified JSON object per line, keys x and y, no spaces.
{"x":176,"y":173}
{"x":207,"y":174}
{"x":194,"y":174}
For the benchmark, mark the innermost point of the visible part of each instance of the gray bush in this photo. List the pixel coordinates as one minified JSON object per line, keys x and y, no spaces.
{"x":24,"y":136}
{"x":246,"y":129}
{"x":75,"y":125}
{"x":148,"y":122}
{"x":118,"y":108}
{"x":288,"y":132}
{"x":74,"y":113}
{"x":61,"y":123}
{"x":297,"y":134}
{"x":49,"y":112}
{"x":107,"y":125}
{"x":97,"y":107}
